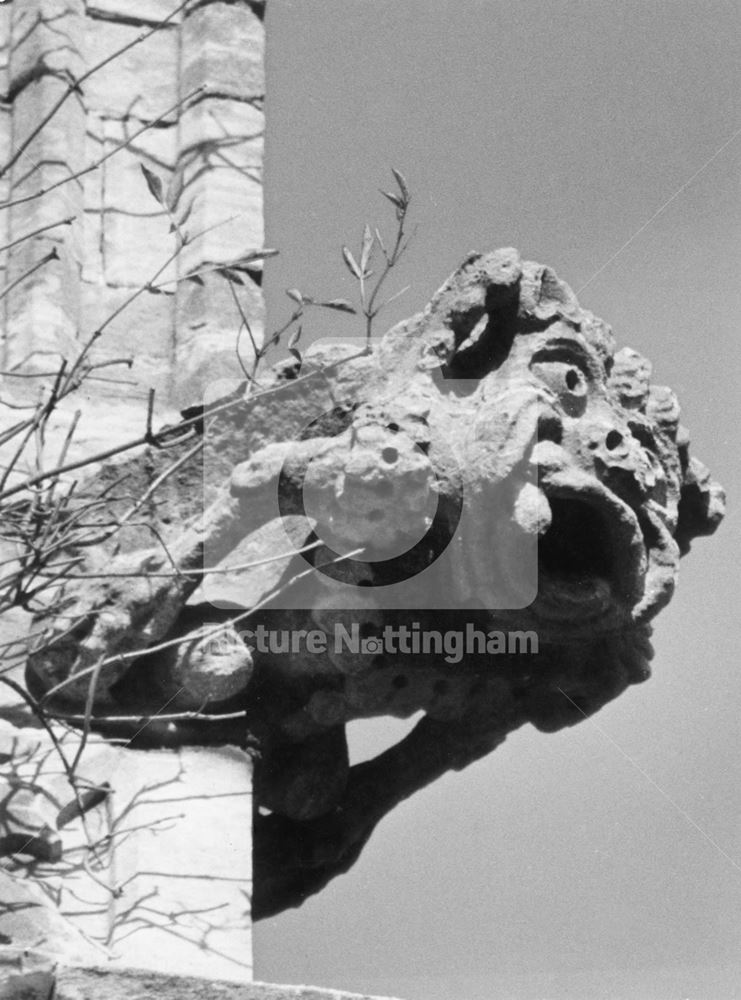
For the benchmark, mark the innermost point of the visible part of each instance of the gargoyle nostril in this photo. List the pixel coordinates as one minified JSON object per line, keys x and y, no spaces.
{"x":613,"y":440}
{"x":550,"y":428}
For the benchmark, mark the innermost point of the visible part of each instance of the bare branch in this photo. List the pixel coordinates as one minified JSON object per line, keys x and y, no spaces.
{"x":35,"y":232}
{"x":52,"y":255}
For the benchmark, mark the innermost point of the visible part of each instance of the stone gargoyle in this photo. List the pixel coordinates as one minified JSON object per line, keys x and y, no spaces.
{"x":492,"y":467}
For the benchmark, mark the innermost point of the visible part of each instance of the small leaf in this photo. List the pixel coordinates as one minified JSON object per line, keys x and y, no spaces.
{"x":294,"y":352}
{"x":295,"y":294}
{"x":154,"y":183}
{"x":394,"y":199}
{"x":341,"y":305}
{"x":185,"y":215}
{"x":251,"y":256}
{"x":365,"y":253}
{"x":352,"y":264}
{"x":230,"y":274}
{"x":402,"y":184}
{"x":295,"y":337}
{"x":175,"y":189}
{"x":196,"y":278}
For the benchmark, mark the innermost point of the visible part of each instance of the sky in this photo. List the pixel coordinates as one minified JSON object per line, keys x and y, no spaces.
{"x":603,"y":139}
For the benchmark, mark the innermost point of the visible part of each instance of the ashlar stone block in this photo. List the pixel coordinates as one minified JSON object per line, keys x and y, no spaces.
{"x":158,"y":874}
{"x":46,"y":36}
{"x":223,"y":46}
{"x":142,"y":81}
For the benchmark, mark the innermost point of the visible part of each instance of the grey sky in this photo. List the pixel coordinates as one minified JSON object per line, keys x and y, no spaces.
{"x":603,"y":861}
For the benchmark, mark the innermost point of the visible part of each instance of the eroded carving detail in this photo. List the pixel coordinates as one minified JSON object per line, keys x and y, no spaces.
{"x":498,"y":424}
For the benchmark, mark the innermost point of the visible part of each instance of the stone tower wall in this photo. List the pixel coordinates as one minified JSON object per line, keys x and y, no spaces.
{"x":119,"y":236}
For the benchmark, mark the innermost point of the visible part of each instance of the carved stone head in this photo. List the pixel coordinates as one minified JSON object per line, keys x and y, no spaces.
{"x":380,"y":524}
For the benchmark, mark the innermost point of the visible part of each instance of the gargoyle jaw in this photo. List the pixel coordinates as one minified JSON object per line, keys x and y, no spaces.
{"x":594,"y":562}
{"x":602,"y":562}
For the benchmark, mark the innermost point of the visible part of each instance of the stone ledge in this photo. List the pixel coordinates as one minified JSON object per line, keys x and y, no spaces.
{"x":102,"y":984}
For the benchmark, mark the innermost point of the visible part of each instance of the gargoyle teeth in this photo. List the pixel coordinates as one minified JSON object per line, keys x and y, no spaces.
{"x":532,"y":512}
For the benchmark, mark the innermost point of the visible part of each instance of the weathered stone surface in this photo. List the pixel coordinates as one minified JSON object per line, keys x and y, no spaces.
{"x":493,"y":432}
{"x":215,"y":128}
{"x":46,"y":40}
{"x":205,"y":670}
{"x":152,"y":878}
{"x":6,"y":132}
{"x":117,"y":88}
{"x":222,"y":46}
{"x":91,"y":219}
{"x":142,"y":331}
{"x":60,"y":143}
{"x":82,"y":984}
{"x":221,"y":160}
{"x":6,"y":13}
{"x":6,"y":125}
{"x":31,"y":923}
{"x":262,"y":574}
{"x":42,"y":312}
{"x":137,"y":247}
{"x":631,"y":379}
{"x":28,"y":984}
{"x":92,"y":249}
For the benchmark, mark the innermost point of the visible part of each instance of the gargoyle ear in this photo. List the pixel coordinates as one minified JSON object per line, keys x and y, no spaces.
{"x":483,"y":284}
{"x":544,"y":297}
{"x":464,"y":315}
{"x":702,"y":504}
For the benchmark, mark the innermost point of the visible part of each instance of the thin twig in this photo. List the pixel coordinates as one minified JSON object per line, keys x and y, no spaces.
{"x":150,"y":413}
{"x":209,"y":571}
{"x":52,"y":255}
{"x":144,"y":720}
{"x":36,"y":232}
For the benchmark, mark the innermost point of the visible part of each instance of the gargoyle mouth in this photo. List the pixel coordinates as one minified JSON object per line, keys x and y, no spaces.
{"x":592,"y":556}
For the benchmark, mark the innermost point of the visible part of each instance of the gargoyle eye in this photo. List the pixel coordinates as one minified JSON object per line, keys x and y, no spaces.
{"x":566,"y":381}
